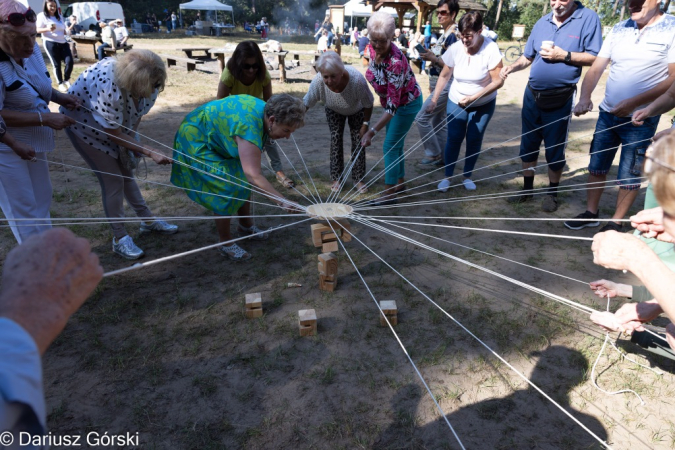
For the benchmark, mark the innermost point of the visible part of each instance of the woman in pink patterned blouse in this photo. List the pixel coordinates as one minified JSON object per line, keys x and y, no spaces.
{"x":400,"y":96}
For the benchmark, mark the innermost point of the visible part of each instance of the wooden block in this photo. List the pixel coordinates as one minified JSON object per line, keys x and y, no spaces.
{"x":345,"y":229}
{"x":254,"y":305}
{"x":329,"y":247}
{"x":317,"y":230}
{"x":307,"y":322}
{"x":328,"y":264}
{"x":390,"y":311}
{"x":328,"y":237}
{"x":326,"y":284}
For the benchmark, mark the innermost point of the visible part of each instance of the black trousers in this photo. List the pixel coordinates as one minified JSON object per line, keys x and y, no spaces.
{"x":60,"y":53}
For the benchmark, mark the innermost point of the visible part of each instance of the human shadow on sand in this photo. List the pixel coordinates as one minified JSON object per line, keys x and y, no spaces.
{"x":522,"y":420}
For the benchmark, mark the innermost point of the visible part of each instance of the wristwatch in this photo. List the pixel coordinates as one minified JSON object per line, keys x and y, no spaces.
{"x":568,"y":57}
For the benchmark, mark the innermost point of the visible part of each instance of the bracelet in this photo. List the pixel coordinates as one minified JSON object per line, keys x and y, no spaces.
{"x":366,"y":123}
{"x":373,"y":130}
{"x":40,"y":116}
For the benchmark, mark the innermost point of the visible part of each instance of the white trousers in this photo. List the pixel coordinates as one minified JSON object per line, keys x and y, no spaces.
{"x":25,"y":193}
{"x":433,"y":127}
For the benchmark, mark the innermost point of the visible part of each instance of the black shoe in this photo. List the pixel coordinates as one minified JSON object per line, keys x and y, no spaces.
{"x":517,"y":199}
{"x":612,"y":226}
{"x":382,"y":201}
{"x":579,"y":224}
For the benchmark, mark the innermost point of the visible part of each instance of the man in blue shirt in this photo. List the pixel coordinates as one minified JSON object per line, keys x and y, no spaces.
{"x":44,"y":281}
{"x":561,"y":43}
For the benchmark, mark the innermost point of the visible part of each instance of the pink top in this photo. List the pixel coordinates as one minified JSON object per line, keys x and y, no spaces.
{"x":393,"y":80}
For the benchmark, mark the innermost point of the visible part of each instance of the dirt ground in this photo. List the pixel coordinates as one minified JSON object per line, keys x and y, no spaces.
{"x":167,"y":352}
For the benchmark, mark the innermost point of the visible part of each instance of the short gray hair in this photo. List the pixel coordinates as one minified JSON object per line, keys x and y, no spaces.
{"x":330,"y":62}
{"x":286,"y":109}
{"x":381,"y":23}
{"x":140,"y":72}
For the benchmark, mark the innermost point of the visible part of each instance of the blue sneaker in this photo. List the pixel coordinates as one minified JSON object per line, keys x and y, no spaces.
{"x":158,"y":226}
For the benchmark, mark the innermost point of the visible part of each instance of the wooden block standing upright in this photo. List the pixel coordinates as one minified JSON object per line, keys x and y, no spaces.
{"x":307,"y":322}
{"x":390,"y":311}
{"x":344,"y":228}
{"x":254,"y":305}
{"x":323,"y":234}
{"x":317,"y":231}
{"x":330,"y":247}
{"x":328,"y":271}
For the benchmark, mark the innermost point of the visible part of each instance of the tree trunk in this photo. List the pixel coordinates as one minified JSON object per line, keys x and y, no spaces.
{"x":253,"y":6}
{"x":543,"y":13}
{"x":616,"y":5}
{"x":499,"y":11}
{"x":623,"y":11}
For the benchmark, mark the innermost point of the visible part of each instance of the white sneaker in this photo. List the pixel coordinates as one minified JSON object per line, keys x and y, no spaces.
{"x":63,"y":88}
{"x":469,"y":185}
{"x":67,"y":83}
{"x":444,"y":185}
{"x":125,"y":247}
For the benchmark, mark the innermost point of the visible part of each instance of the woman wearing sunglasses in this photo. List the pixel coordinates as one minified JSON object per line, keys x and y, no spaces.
{"x":247,"y":74}
{"x":623,"y":251}
{"x":116,"y":94}
{"x":53,"y":31}
{"x":25,"y":93}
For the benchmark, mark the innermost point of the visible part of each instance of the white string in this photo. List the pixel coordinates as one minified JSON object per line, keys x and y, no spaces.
{"x":542,"y":219}
{"x":521,"y":375}
{"x":594,"y":378}
{"x":405,"y":351}
{"x":142,"y":265}
{"x":302,"y":180}
{"x":307,"y":169}
{"x":523,"y":233}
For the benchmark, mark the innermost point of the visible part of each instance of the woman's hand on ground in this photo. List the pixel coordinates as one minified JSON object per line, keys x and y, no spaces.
{"x":57,"y":121}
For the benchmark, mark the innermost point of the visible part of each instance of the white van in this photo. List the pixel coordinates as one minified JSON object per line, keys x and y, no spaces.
{"x":89,"y":13}
{"x":38,"y":5}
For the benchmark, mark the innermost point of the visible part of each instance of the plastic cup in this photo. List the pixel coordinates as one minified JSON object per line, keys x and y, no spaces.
{"x":547,"y":45}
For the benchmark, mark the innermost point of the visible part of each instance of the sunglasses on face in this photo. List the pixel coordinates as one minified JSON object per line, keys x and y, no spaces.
{"x":442,"y":12}
{"x":250,"y":66}
{"x":18,"y":19}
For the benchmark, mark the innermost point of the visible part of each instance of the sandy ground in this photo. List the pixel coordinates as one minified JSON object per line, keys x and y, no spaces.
{"x":167,"y":352}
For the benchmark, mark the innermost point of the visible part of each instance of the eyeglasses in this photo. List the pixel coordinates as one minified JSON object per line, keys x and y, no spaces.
{"x":250,"y":66}
{"x":18,"y":19}
{"x":442,"y":12}
{"x":650,"y":161}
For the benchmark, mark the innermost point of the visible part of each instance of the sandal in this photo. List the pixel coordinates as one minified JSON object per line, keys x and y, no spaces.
{"x":362,"y":189}
{"x":285,"y":181}
{"x":335,"y":187}
{"x":234,"y":252}
{"x":263,"y":236}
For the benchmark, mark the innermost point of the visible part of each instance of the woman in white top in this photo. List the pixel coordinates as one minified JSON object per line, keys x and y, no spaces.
{"x":474,"y":63}
{"x":25,"y":93}
{"x":116,"y":93}
{"x":53,"y":31}
{"x":347,"y":96}
{"x":322,"y":45}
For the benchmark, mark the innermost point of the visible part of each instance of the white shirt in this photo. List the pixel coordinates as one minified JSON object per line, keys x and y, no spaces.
{"x":639,"y":60}
{"x":18,"y":86}
{"x":59,"y":33}
{"x":120,"y":33}
{"x":353,"y":98}
{"x":322,"y":45}
{"x":112,"y":107}
{"x":471,"y":73}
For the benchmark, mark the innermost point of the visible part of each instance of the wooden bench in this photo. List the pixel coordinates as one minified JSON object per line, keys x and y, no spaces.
{"x":190,"y":64}
{"x":220,"y":54}
{"x":86,"y":47}
{"x":188,"y":51}
{"x":109,"y":51}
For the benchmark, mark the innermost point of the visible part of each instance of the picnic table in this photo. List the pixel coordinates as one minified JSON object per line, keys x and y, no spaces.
{"x":86,"y":46}
{"x":220,"y":53}
{"x":188,"y":51}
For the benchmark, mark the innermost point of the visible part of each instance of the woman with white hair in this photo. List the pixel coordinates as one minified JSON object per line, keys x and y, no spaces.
{"x":401,"y":97}
{"x":116,"y":94}
{"x":346,"y":96}
{"x":25,"y":93}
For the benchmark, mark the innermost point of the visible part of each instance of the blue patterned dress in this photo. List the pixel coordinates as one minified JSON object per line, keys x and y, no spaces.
{"x":205,"y":142}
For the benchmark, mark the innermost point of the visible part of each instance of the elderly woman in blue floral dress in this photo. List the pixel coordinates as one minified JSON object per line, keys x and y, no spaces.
{"x":218,"y":148}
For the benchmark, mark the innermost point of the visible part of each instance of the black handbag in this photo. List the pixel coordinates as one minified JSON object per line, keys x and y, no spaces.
{"x":550,"y":99}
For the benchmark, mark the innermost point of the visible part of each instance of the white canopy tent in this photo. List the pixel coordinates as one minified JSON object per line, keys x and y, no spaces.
{"x":206,"y":5}
{"x":356,"y":8}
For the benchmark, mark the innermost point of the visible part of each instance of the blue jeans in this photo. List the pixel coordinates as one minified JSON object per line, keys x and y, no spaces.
{"x":470,"y":123}
{"x":101,"y":52}
{"x":606,"y":143}
{"x":553,"y":133}
{"x":397,"y":128}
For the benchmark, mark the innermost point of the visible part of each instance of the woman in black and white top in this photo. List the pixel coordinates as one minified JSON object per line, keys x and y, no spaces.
{"x":25,"y":92}
{"x":116,"y":93}
{"x":347,"y":97}
{"x":53,"y":31}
